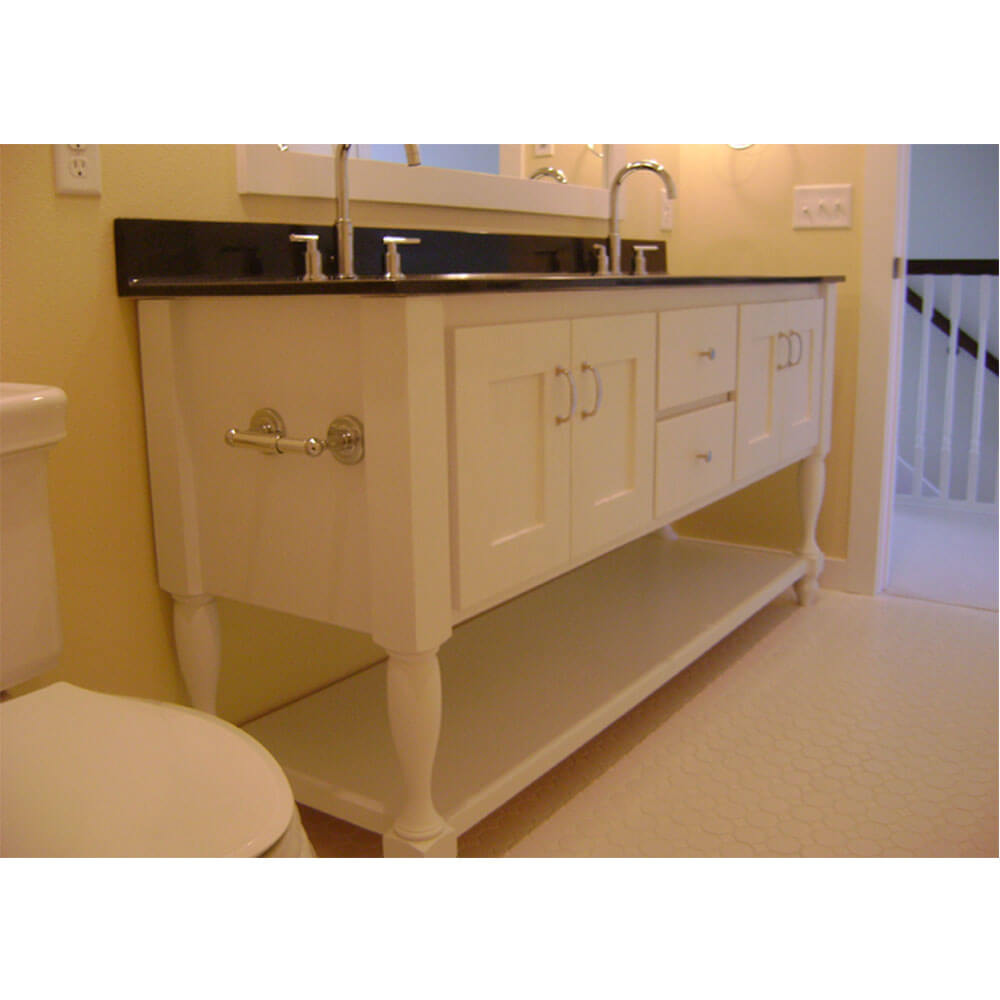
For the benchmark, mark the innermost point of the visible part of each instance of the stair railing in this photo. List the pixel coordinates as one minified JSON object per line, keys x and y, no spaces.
{"x":965,"y":276}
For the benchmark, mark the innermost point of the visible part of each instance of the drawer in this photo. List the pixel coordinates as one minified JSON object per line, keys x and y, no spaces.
{"x":697,"y":355}
{"x":694,"y":456}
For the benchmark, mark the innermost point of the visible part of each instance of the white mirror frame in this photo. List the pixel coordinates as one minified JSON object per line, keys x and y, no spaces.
{"x":265,"y":169}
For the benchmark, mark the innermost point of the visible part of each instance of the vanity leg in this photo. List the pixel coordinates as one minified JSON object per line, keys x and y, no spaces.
{"x":414,"y":690}
{"x":199,"y":647}
{"x":812,"y":479}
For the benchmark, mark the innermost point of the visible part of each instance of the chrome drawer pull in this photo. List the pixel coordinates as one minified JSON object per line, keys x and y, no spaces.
{"x":572,"y":396}
{"x":344,"y":438}
{"x":710,"y":354}
{"x":600,"y":390}
{"x":705,"y":456}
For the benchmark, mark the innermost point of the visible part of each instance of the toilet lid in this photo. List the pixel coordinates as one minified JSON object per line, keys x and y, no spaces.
{"x":84,"y":774}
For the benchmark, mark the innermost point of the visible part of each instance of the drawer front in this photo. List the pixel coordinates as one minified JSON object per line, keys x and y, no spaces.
{"x":694,"y":456}
{"x":697,"y":354}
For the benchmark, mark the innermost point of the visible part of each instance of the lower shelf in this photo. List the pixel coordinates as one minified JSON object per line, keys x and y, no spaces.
{"x":526,"y":684}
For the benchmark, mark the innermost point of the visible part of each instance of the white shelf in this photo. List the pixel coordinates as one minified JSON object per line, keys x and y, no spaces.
{"x":526,"y":684}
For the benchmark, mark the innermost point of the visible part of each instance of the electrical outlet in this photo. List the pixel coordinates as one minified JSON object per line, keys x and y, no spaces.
{"x":545,"y":149}
{"x":77,"y":168}
{"x":666,"y":212}
{"x":822,"y":206}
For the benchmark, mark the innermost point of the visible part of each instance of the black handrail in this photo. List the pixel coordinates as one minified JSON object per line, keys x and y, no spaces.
{"x":964,"y":266}
{"x":966,"y":342}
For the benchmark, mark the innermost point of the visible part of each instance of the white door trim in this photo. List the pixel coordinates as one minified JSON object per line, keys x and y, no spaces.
{"x":883,"y":240}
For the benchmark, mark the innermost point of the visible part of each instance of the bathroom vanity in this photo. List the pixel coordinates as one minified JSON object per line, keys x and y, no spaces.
{"x":499,"y":517}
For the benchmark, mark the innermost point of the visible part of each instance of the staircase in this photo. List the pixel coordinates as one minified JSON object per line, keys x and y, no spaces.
{"x":947,"y":435}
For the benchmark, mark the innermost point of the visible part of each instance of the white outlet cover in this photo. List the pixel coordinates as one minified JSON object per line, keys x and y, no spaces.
{"x":77,"y":169}
{"x":545,"y":149}
{"x":821,"y":206}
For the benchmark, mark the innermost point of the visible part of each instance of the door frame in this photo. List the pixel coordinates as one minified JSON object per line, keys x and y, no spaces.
{"x":880,"y":329}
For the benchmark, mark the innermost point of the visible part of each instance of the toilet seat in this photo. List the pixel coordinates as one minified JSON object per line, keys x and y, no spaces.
{"x":84,"y":774}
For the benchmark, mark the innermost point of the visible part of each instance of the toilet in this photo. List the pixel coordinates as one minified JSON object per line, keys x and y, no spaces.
{"x":87,"y":774}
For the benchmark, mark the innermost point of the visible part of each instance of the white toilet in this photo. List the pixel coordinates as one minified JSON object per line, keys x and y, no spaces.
{"x":84,"y":774}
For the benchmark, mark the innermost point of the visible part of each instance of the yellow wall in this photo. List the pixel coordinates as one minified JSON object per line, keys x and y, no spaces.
{"x":61,"y":323}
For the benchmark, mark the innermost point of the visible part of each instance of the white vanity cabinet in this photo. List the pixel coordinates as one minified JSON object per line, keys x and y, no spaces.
{"x":502,"y":537}
{"x":552,"y":425}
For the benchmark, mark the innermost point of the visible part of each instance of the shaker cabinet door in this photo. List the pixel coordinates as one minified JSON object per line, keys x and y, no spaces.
{"x":758,"y":433}
{"x":614,"y":367}
{"x":512,"y":453}
{"x":778,"y":384}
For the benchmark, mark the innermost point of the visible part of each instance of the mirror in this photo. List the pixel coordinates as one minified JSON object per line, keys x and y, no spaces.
{"x":453,"y":175}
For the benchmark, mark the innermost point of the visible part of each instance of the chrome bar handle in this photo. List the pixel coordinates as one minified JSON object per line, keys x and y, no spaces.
{"x":572,"y":396}
{"x":600,"y":390}
{"x":788,"y":355}
{"x":798,"y":357}
{"x":344,"y":438}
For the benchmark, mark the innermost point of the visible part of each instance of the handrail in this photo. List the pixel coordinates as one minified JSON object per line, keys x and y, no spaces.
{"x":966,"y":342}
{"x":958,"y":266}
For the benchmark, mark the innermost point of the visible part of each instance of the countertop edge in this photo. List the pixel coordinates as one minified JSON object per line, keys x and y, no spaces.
{"x":153,"y":288}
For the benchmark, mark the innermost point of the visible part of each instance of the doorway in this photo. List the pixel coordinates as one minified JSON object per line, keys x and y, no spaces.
{"x":944,"y":506}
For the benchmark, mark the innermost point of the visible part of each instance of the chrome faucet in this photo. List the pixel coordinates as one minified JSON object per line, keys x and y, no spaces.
{"x":550,"y":172}
{"x":345,"y":228}
{"x":614,"y":236}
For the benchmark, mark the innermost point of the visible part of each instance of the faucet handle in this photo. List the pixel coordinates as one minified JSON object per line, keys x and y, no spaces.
{"x":314,"y":262}
{"x":602,"y":258}
{"x":640,"y":257}
{"x":393,"y":262}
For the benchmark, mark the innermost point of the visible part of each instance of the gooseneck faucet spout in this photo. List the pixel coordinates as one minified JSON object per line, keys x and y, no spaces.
{"x":614,"y":236}
{"x":345,"y":228}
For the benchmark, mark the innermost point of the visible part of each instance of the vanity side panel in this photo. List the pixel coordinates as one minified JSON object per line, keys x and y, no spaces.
{"x":171,"y":475}
{"x":285,"y":532}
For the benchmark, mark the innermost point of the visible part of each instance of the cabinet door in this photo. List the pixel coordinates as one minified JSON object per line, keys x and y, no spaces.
{"x":758,"y":431}
{"x":512,"y":477}
{"x":801,"y":380}
{"x":614,"y":369}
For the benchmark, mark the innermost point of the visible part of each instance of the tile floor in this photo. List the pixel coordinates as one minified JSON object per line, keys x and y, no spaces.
{"x":858,"y":727}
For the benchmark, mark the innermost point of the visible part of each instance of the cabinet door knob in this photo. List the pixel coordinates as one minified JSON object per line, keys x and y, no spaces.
{"x":705,"y":456}
{"x":599,"y":387}
{"x":710,"y":354}
{"x":572,"y":396}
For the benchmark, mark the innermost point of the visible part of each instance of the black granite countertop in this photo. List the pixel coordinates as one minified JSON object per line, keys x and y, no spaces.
{"x":158,"y":258}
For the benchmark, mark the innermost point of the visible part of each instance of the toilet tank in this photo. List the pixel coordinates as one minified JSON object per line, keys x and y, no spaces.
{"x":32,"y":419}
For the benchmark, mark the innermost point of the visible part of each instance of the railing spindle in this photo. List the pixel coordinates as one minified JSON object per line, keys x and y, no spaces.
{"x":976,"y":427}
{"x":920,"y":435}
{"x":955,"y":307}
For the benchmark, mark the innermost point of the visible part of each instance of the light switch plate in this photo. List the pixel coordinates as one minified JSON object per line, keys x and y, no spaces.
{"x":544,"y":149}
{"x":822,"y":206}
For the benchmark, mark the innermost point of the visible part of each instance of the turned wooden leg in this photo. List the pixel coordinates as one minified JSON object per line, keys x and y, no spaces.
{"x":199,"y":648}
{"x":414,"y":690}
{"x":812,"y":478}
